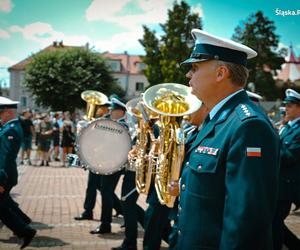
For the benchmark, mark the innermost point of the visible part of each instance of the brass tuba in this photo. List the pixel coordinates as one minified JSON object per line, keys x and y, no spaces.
{"x":93,"y":99}
{"x":144,"y":134}
{"x":171,"y":101}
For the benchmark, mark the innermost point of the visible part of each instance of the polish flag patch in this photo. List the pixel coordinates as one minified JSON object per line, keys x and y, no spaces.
{"x":254,"y":152}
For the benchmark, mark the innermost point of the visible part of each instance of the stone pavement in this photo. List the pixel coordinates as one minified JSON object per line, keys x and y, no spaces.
{"x":52,"y":196}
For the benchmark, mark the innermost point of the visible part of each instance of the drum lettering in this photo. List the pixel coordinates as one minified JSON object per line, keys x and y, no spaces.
{"x":113,"y":130}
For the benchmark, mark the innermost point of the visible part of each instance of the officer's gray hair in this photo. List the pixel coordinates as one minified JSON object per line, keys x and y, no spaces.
{"x":238,"y":73}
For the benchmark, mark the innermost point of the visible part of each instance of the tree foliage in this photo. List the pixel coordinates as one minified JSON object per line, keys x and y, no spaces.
{"x":258,"y":32}
{"x":164,"y":54}
{"x":57,"y":78}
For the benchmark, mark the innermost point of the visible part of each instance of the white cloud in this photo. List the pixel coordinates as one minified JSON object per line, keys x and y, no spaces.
{"x":6,"y":61}
{"x":123,"y":41}
{"x":128,"y":40}
{"x":6,"y":6}
{"x":44,"y":34}
{"x":197,"y":9}
{"x":153,"y":12}
{"x":4,"y":34}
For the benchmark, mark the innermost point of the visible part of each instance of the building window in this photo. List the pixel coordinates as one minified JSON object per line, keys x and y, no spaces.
{"x":141,"y":66}
{"x":115,"y":65}
{"x":23,"y":101}
{"x":139,"y":86}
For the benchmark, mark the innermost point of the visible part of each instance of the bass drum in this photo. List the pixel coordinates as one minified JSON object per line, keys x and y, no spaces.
{"x":103,"y":146}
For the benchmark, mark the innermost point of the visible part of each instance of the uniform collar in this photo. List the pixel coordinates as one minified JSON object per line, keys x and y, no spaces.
{"x":219,"y":105}
{"x":11,"y":121}
{"x":293,"y":122}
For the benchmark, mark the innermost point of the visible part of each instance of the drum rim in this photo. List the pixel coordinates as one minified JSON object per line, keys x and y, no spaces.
{"x":83,"y":160}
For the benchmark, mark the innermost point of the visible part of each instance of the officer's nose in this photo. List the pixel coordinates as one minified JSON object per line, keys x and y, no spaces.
{"x":189,"y":74}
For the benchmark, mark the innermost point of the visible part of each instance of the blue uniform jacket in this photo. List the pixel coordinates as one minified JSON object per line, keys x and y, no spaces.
{"x":11,"y":136}
{"x":289,"y":177}
{"x":228,"y":187}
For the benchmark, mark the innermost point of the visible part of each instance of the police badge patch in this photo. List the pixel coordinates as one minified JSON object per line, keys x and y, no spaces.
{"x":207,"y":150}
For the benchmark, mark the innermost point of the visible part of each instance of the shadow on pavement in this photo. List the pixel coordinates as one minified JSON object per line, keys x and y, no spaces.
{"x":119,"y":235}
{"x":38,"y":241}
{"x":40,"y":226}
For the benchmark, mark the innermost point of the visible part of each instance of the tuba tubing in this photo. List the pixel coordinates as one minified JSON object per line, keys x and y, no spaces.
{"x":172,"y":102}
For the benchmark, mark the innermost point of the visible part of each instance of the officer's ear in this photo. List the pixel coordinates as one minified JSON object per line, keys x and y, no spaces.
{"x":222,"y":72}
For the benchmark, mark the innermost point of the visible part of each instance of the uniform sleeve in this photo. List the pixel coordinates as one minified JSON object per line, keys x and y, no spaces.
{"x":250,"y":185}
{"x":290,"y":152}
{"x":9,"y":148}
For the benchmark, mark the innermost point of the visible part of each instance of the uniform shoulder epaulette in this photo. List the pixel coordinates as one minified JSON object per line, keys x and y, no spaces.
{"x":244,"y":112}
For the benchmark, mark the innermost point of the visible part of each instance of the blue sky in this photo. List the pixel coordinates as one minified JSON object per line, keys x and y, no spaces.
{"x":27,"y":26}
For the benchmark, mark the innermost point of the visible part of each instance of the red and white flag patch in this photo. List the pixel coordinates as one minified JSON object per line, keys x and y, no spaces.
{"x":254,"y":152}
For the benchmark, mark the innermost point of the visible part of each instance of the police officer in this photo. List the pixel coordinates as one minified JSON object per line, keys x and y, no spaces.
{"x":11,"y":136}
{"x":109,"y":182}
{"x":94,"y":183}
{"x":229,"y":179}
{"x":289,"y":176}
{"x":256,"y":98}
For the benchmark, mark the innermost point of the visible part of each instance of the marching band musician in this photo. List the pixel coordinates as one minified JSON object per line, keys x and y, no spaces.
{"x":193,"y":126}
{"x":11,"y":136}
{"x":132,"y":212}
{"x":229,"y":179}
{"x":157,"y":224}
{"x":94,"y":182}
{"x":109,"y":182}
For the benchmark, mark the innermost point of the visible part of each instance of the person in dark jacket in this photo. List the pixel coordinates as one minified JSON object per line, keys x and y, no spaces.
{"x":289,"y":176}
{"x":11,"y":136}
{"x":228,"y":186}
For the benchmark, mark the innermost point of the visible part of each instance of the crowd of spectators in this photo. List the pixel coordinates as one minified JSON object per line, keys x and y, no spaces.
{"x":52,"y":134}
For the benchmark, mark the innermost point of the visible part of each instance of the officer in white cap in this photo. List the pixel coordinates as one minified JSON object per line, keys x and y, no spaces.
{"x":229,"y":175}
{"x":289,"y":175}
{"x":11,"y":136}
{"x":256,"y":98}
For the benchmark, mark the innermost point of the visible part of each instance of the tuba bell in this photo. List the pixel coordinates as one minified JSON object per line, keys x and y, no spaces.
{"x":144,"y":135}
{"x":172,"y":102}
{"x":93,"y":99}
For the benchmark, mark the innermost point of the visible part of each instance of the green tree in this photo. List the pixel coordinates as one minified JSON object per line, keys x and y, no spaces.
{"x":57,"y":78}
{"x":258,"y":32}
{"x":164,"y":54}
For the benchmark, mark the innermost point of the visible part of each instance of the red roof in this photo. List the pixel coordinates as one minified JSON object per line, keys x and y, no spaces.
{"x":55,"y":46}
{"x":129,"y":63}
{"x":290,"y":70}
{"x":292,"y":58}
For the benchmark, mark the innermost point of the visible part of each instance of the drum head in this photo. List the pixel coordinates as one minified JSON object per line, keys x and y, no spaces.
{"x":103,"y":146}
